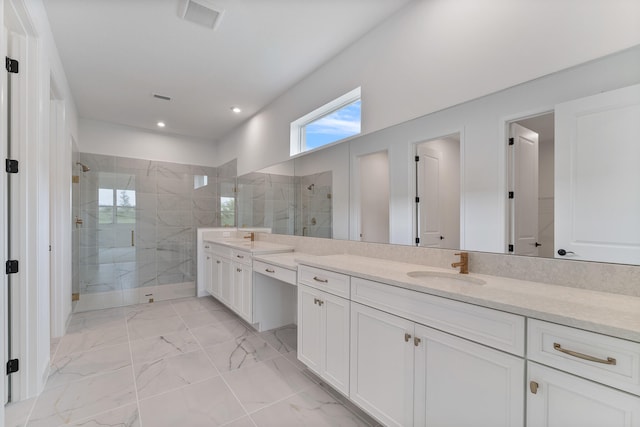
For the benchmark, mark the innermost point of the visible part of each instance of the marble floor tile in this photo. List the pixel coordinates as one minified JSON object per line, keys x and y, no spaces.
{"x":242,"y":422}
{"x":157,"y":310}
{"x":266,"y":382}
{"x":160,"y":347}
{"x":162,"y":375}
{"x":75,"y":401}
{"x":16,"y":414}
{"x":148,"y":328}
{"x":217,"y":333}
{"x":206,"y":317}
{"x":207,"y":403}
{"x":126,"y":416}
{"x":239,"y":353}
{"x":88,"y":324}
{"x":77,"y":366}
{"x":283,"y":339}
{"x":292,"y":357}
{"x":54,"y":347}
{"x":191,"y":305}
{"x":311,"y":407}
{"x":92,"y":340}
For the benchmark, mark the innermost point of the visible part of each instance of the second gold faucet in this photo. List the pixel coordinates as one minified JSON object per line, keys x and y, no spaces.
{"x":463,"y":263}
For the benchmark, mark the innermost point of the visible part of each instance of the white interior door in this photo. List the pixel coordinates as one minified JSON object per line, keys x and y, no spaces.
{"x":524,"y":184}
{"x":597,"y":214}
{"x":429,"y":190}
{"x":374,"y":197}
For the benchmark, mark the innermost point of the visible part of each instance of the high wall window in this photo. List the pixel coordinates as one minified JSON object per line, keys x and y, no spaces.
{"x":335,"y":121}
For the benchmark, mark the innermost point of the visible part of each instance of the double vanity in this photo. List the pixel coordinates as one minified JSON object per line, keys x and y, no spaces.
{"x":415,"y":345}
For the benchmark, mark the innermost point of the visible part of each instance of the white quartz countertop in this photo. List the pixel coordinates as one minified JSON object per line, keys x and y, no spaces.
{"x":255,"y":247}
{"x":606,"y":313}
{"x":284,"y":260}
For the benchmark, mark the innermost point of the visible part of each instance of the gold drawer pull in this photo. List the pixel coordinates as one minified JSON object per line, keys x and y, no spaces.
{"x":268,"y":270}
{"x":317,"y":279}
{"x":533,"y":386}
{"x":607,"y":361}
{"x":407,"y":337}
{"x":240,"y":256}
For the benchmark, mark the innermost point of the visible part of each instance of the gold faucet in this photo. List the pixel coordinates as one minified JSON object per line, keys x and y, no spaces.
{"x":251,"y":236}
{"x":463,"y":264}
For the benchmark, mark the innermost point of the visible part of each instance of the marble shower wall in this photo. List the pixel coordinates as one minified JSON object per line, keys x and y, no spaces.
{"x":315,"y":205}
{"x":151,"y":242}
{"x":267,"y":200}
{"x":75,"y":213}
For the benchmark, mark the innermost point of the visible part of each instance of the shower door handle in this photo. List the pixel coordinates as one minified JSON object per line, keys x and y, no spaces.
{"x":133,"y":241}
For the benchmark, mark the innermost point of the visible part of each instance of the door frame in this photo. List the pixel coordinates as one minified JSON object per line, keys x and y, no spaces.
{"x":504,"y":165}
{"x":413,"y":188}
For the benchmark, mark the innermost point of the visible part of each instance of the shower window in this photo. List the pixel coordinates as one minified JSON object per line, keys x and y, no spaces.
{"x":116,"y":206}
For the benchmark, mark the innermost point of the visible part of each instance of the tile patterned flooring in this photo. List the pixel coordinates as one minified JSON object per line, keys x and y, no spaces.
{"x":188,"y":362}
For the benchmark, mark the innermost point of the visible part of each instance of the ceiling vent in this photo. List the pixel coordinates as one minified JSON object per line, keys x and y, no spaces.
{"x":201,"y":12}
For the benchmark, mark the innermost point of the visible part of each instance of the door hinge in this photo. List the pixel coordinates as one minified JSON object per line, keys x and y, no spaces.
{"x":510,"y":248}
{"x":13,"y":365}
{"x":511,"y":141}
{"x":12,"y":65}
{"x":11,"y":166}
{"x":12,"y":266}
{"x":417,"y":199}
{"x":417,"y":240}
{"x":417,"y":158}
{"x":511,"y":195}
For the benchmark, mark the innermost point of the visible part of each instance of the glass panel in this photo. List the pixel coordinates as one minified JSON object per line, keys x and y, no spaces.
{"x":227,"y":211}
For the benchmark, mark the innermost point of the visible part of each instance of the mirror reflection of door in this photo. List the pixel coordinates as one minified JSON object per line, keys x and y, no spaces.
{"x":531,"y":186}
{"x":374,"y":197}
{"x":597,"y":177}
{"x":438,"y":192}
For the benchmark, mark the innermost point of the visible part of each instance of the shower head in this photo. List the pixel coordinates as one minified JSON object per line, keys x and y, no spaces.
{"x":85,"y":168}
{"x":311,"y":187}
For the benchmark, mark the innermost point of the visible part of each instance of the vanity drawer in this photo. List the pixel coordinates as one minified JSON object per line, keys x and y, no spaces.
{"x":270,"y":270}
{"x":241,"y":257}
{"x":497,"y":329}
{"x":216,"y":249}
{"x":328,"y":281}
{"x":605,"y":359}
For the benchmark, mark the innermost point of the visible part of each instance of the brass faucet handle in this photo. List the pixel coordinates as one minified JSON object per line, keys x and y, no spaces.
{"x":251,"y":236}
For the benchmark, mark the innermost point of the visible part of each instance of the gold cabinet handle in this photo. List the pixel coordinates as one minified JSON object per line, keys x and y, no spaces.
{"x":407,"y":337}
{"x":533,"y":386}
{"x":318,"y":301}
{"x":416,"y":341}
{"x":268,"y":270}
{"x":206,"y":246}
{"x":318,"y":279}
{"x":218,"y":262}
{"x":607,"y":361}
{"x":208,"y":258}
{"x":240,"y":256}
{"x":238,"y":269}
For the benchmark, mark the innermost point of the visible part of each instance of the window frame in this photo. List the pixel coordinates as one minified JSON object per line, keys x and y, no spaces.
{"x":298,"y":138}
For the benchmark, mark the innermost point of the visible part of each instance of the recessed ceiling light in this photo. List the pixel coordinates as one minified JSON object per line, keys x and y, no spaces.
{"x":236,"y":110}
{"x":161,"y":124}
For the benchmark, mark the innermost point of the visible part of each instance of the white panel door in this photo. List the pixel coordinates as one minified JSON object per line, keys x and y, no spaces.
{"x":524,"y":176}
{"x":429,"y":188}
{"x":597,"y":214}
{"x":382,"y":365}
{"x":557,"y":399}
{"x":461,"y":383}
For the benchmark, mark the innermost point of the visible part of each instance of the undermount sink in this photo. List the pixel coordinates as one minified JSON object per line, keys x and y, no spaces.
{"x":439,"y":277}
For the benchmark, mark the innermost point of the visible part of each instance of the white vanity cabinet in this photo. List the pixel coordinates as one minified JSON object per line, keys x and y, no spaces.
{"x":406,"y":374}
{"x":609,"y":394}
{"x":323,"y":325}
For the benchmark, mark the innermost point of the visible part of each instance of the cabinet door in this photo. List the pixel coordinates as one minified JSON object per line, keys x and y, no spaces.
{"x":208,"y":272}
{"x":564,"y":400}
{"x":226,"y":296}
{"x":243,"y":286}
{"x":214,"y":275}
{"x":382,"y":359}
{"x":335,"y":341}
{"x":461,"y":383}
{"x":309,"y":328}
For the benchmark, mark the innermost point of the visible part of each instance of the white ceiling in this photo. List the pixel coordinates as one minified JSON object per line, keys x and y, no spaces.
{"x":116,"y":53}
